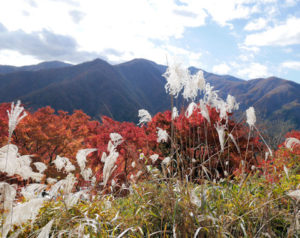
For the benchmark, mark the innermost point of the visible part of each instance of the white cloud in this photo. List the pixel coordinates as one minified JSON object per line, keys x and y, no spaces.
{"x":129,"y":26}
{"x":248,"y":52}
{"x":253,"y":49}
{"x":122,"y":30}
{"x":224,"y":11}
{"x":221,"y":69}
{"x":291,"y":65}
{"x":290,"y":3}
{"x":11,"y":57}
{"x":246,"y":57}
{"x":253,"y":70}
{"x":285,"y":34}
{"x":256,"y":24}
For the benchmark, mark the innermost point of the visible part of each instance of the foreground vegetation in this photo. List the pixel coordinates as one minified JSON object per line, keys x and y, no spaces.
{"x":194,"y":173}
{"x":244,"y":207}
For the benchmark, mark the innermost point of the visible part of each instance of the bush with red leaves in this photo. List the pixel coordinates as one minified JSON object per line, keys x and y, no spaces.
{"x":273,"y":167}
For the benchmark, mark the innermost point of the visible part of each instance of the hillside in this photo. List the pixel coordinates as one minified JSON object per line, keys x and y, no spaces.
{"x":5,"y":69}
{"x":118,"y":91}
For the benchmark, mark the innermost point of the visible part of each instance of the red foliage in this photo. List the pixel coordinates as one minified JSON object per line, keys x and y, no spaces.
{"x":4,"y":122}
{"x":273,"y":167}
{"x":45,"y":135}
{"x":195,"y":138}
{"x":195,"y":142}
{"x":135,"y":142}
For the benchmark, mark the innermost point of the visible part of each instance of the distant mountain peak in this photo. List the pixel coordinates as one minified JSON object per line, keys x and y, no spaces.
{"x":138,"y":61}
{"x":6,"y":69}
{"x":99,"y":88}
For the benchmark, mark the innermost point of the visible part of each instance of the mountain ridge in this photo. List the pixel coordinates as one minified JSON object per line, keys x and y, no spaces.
{"x":5,"y":69}
{"x":118,"y":91}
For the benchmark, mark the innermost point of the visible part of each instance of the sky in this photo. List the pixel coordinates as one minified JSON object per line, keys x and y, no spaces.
{"x":244,"y":38}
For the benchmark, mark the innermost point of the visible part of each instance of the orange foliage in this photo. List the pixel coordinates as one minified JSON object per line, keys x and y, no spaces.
{"x":195,"y":143}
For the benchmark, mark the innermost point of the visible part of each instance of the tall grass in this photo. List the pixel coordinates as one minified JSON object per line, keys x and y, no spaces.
{"x":192,"y":191}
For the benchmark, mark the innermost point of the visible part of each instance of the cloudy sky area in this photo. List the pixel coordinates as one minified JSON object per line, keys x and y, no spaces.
{"x":244,"y":38}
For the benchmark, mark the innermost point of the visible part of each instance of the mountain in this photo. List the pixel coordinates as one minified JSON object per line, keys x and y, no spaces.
{"x":119,"y":91}
{"x":274,"y":98}
{"x":5,"y":69}
{"x":145,"y":77}
{"x":95,"y":87}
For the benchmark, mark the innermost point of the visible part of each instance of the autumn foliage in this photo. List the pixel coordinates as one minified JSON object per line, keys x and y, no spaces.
{"x":285,"y":159}
{"x":193,"y":143}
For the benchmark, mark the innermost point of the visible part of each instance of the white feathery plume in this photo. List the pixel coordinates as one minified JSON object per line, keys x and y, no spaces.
{"x":204,"y":111}
{"x":22,"y":213}
{"x":144,"y":116}
{"x":139,"y":173}
{"x":123,"y":186}
{"x":86,"y":174}
{"x":113,"y":183}
{"x":116,"y":139}
{"x":110,"y":146}
{"x":69,"y":166}
{"x":24,"y":169}
{"x":8,"y":167}
{"x":73,"y":198}
{"x":81,"y":157}
{"x":51,"y":180}
{"x":234,"y":142}
{"x":25,"y":172}
{"x":193,"y":84}
{"x":251,"y":118}
{"x":93,"y":181}
{"x":201,"y":84}
{"x":103,"y":157}
{"x":174,"y":113}
{"x":109,"y":165}
{"x":11,"y":149}
{"x":41,"y":167}
{"x":295,"y":194}
{"x":37,"y":176}
{"x":14,"y":117}
{"x":195,"y":199}
{"x":46,"y":230}
{"x":190,"y":89}
{"x":221,"y":133}
{"x":176,"y":76}
{"x":231,"y":103}
{"x":189,"y":111}
{"x":210,"y":96}
{"x":24,"y":161}
{"x":33,"y":190}
{"x":291,"y":142}
{"x":166,"y":161}
{"x":154,"y":157}
{"x":222,"y":107}
{"x":7,"y":195}
{"x":267,"y":155}
{"x":65,"y":185}
{"x":12,"y":163}
{"x":286,"y":171}
{"x":162,"y":135}
{"x":9,"y":159}
{"x":60,"y":162}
